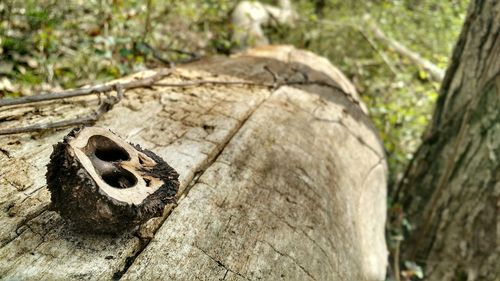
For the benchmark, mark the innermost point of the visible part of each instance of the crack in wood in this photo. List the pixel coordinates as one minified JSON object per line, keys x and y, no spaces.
{"x":219,"y":263}
{"x":289,"y":257}
{"x":130,"y":260}
{"x":299,"y":231}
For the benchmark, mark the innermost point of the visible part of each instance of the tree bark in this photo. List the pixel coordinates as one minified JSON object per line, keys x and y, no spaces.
{"x":285,"y":182}
{"x":451,"y":188}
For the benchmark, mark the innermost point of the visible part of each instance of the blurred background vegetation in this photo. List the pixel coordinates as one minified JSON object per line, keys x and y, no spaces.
{"x":48,"y":45}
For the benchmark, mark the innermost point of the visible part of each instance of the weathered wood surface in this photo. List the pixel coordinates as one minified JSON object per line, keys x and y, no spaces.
{"x":275,"y":183}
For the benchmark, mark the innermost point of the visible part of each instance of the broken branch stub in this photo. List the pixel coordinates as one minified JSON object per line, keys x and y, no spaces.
{"x":103,"y":184}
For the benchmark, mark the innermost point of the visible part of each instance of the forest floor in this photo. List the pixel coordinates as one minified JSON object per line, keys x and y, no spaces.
{"x":48,"y":45}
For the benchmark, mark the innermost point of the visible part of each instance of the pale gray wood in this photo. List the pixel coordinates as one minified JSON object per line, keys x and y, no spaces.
{"x":276,"y":183}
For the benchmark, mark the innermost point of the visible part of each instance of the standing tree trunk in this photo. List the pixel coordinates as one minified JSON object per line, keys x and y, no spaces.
{"x":451,"y":188}
{"x":281,"y":177}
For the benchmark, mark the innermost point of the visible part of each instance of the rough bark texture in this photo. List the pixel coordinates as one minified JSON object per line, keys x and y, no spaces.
{"x":452,"y":187}
{"x":275,"y":183}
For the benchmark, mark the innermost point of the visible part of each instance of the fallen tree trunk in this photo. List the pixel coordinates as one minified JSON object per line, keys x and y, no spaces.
{"x":282,"y":182}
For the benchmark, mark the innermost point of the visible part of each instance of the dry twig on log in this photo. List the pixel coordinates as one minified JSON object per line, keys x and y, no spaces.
{"x":111,"y":101}
{"x":382,"y":55}
{"x":192,"y":56}
{"x":146,"y":82}
{"x":104,"y":107}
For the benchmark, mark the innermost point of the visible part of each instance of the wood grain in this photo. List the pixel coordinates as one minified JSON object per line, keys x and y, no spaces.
{"x":286,"y":183}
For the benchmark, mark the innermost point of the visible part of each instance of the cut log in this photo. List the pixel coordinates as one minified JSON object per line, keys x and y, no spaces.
{"x":285,"y":182}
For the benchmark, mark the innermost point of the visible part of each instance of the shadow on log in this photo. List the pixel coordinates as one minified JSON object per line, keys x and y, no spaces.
{"x":285,"y":182}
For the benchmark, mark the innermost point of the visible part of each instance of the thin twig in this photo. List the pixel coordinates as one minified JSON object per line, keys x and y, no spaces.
{"x":147,"y":23}
{"x":356,"y":27}
{"x":104,"y":107}
{"x":397,"y":271}
{"x":274,"y":75}
{"x":111,"y":101}
{"x":148,"y":81}
{"x":40,"y":127}
{"x":193,"y":83}
{"x":378,"y":51}
{"x":435,"y":72}
{"x":193,"y":55}
{"x":156,"y":54}
{"x":273,"y":85}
